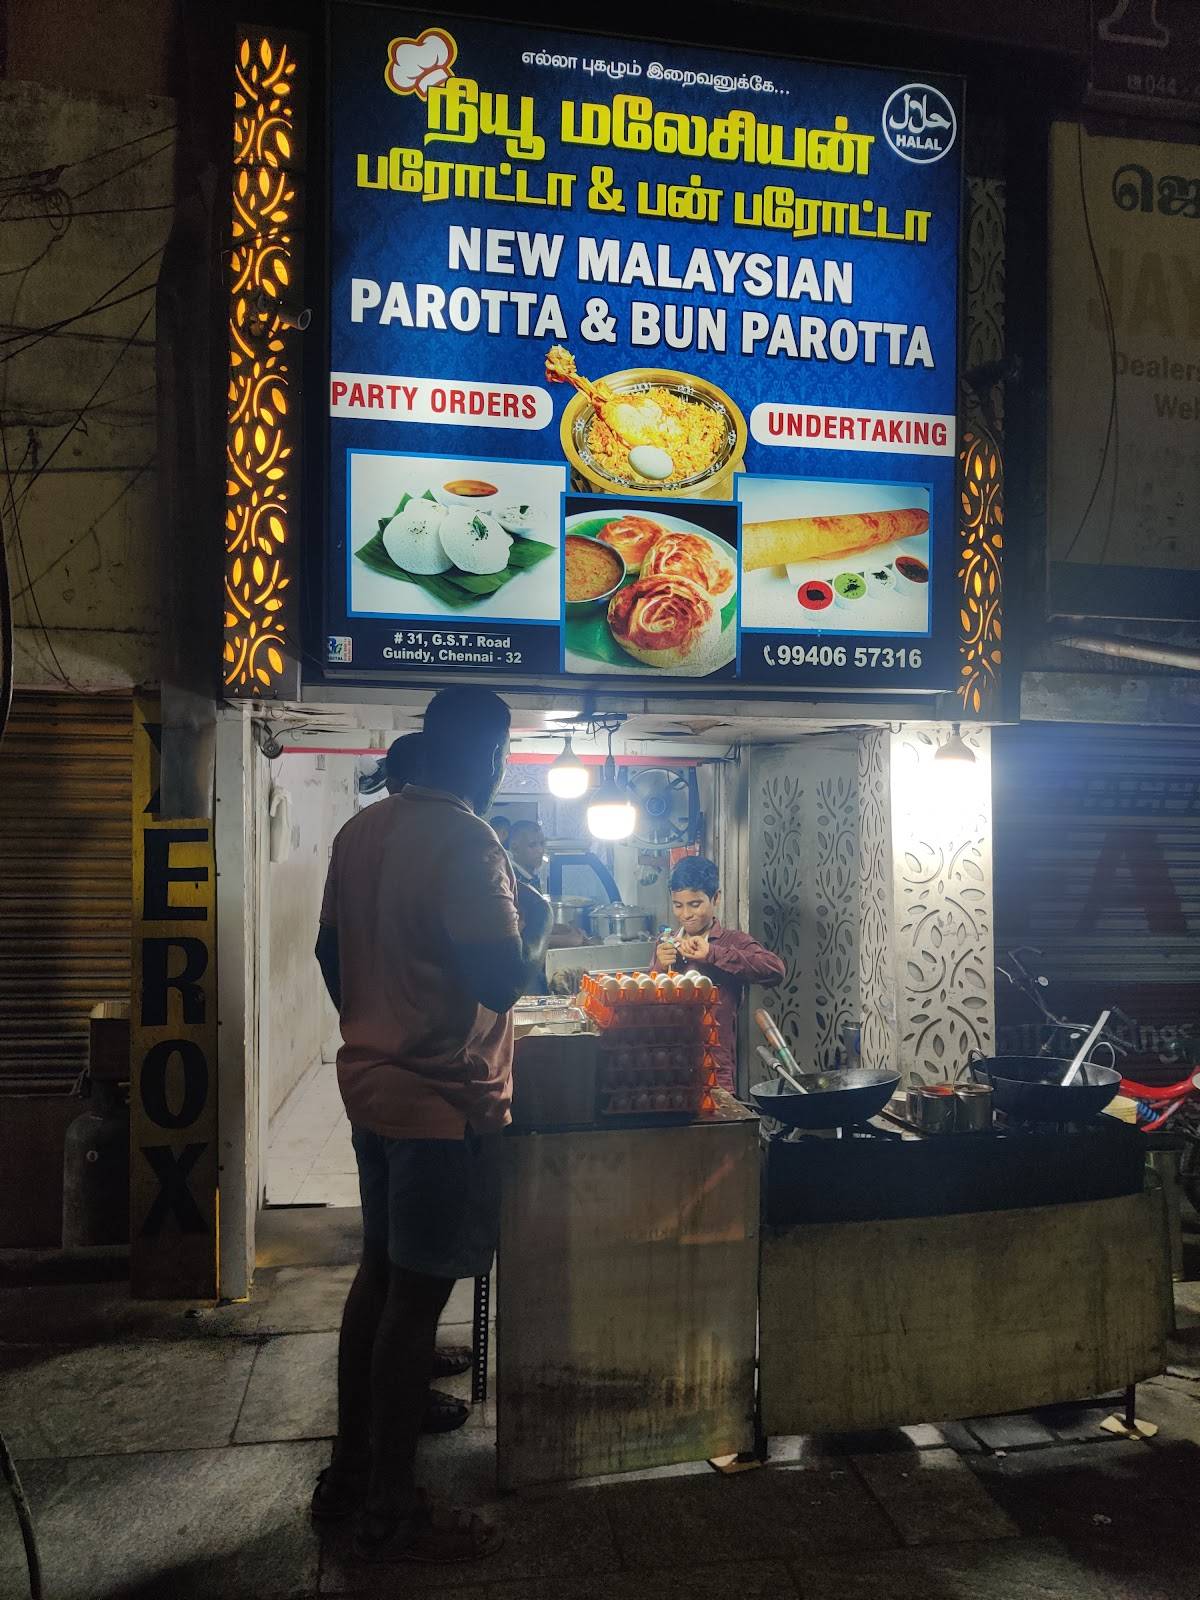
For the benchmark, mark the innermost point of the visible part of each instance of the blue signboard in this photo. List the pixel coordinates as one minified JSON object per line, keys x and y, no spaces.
{"x":643,"y":360}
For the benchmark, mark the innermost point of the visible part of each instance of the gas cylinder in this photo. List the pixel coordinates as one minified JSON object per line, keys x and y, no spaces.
{"x":96,"y":1171}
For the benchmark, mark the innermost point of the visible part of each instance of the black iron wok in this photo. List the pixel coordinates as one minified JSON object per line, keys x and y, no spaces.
{"x":1030,"y":1088}
{"x":831,"y":1100}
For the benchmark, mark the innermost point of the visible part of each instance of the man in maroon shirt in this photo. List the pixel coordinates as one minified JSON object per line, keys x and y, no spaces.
{"x":732,"y":960}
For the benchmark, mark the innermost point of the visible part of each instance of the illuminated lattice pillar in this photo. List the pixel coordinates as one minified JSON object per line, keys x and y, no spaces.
{"x":926,"y":976}
{"x":980,"y":574}
{"x":261,"y":646}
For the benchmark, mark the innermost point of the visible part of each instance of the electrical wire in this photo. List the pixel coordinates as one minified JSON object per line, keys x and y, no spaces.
{"x":14,"y":501}
{"x":36,"y":335}
{"x":7,"y":640}
{"x":33,"y":1560}
{"x":1112,"y":428}
{"x":86,"y":406}
{"x":82,"y":161}
{"x":121,"y":171}
{"x":20,"y":540}
{"x":126,"y":488}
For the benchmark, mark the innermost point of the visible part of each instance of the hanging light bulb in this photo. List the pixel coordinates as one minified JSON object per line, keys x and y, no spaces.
{"x":956,"y":749}
{"x":568,"y":777}
{"x":611,"y":814}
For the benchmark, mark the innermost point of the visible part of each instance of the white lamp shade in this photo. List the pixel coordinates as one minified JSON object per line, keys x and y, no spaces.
{"x":567,"y":778}
{"x":611,"y":817}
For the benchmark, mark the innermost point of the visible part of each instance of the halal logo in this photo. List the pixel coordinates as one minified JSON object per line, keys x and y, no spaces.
{"x":919,"y":123}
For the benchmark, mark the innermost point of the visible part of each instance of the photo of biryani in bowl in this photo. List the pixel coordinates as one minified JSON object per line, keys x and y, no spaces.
{"x":649,"y":431}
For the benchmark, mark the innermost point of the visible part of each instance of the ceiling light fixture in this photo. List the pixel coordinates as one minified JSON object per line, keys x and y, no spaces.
{"x":568,"y":777}
{"x":611,"y":814}
{"x":956,"y":749}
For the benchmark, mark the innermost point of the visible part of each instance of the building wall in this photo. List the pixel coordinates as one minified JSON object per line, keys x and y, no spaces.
{"x":802,"y":892}
{"x":302,"y":1024}
{"x":121,"y":45}
{"x":77,"y":400}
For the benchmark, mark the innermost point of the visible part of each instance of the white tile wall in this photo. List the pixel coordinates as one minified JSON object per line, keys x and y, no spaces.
{"x":309,"y":1155}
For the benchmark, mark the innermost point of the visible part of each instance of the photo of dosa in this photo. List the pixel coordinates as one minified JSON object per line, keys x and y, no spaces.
{"x":649,"y":593}
{"x":833,"y":555}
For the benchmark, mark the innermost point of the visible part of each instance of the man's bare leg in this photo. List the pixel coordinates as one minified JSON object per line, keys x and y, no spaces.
{"x":401,"y":1364}
{"x":356,"y":1344}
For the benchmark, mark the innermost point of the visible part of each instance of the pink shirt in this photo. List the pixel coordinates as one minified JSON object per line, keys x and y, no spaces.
{"x":409,"y":878}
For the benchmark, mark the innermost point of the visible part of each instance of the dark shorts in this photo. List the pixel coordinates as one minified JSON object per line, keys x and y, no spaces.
{"x":434,"y":1204}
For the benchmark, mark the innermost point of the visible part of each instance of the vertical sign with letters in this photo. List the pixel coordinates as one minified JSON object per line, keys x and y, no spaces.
{"x":173,"y":1041}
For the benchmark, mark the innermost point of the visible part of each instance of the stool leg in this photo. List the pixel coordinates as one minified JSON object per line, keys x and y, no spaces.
{"x":1131,"y":1407}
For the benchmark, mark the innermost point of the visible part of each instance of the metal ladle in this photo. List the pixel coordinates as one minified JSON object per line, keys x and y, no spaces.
{"x":776,"y":1065}
{"x":1072,"y":1071}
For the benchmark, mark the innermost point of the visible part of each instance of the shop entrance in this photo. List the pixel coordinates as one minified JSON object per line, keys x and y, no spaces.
{"x":829,"y":836}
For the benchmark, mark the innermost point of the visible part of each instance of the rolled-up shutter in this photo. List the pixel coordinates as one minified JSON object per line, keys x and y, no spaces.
{"x":1096,"y":857}
{"x":65,"y":829}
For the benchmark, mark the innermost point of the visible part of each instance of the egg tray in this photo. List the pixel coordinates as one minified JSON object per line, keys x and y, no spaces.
{"x":656,"y":1016}
{"x":682,"y":1101}
{"x":682,"y":1071}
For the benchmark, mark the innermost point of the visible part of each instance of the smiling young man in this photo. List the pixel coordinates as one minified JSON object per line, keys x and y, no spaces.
{"x":731,"y":959}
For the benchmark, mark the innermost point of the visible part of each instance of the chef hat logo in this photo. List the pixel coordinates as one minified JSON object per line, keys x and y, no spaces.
{"x":417,"y":65}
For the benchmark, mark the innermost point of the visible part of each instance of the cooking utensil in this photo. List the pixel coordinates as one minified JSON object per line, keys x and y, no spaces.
{"x":774,"y":1064}
{"x":830,"y":1099}
{"x":972,"y":1108}
{"x":571,"y":911}
{"x":1085,"y":1049}
{"x":933,"y":1108}
{"x":770,"y":1031}
{"x":1030,"y":1088}
{"x":621,"y":922}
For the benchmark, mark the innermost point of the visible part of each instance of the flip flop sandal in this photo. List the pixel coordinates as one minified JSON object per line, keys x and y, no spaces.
{"x":444,"y":1412}
{"x":451,"y":1362}
{"x":434,"y":1537}
{"x":338,"y":1495}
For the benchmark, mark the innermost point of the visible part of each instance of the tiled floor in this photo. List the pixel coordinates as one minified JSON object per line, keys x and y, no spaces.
{"x":309,"y":1156}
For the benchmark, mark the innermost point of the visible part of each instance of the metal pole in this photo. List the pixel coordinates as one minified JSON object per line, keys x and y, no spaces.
{"x":479,"y":1341}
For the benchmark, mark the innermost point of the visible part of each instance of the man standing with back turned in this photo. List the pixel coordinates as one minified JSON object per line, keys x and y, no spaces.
{"x":425,"y":943}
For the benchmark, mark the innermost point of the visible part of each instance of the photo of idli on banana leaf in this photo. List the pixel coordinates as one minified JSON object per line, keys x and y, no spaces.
{"x":442,"y":538}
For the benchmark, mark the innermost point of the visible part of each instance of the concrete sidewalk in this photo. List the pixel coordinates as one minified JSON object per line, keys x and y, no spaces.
{"x":171,"y":1452}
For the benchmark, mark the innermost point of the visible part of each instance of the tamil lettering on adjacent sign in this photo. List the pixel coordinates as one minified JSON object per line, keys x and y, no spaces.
{"x":173,"y":1041}
{"x":642,"y":360}
{"x":1124,"y":376}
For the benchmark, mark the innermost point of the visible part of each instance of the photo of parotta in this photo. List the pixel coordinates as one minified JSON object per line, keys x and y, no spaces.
{"x":649,"y":592}
{"x":834,"y":556}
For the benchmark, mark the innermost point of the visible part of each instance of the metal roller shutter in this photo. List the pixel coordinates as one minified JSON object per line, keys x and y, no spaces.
{"x":65,"y":828}
{"x":1097,"y":862}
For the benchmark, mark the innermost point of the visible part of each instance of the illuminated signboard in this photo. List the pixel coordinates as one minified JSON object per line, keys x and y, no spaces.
{"x":643,"y":360}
